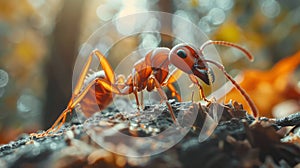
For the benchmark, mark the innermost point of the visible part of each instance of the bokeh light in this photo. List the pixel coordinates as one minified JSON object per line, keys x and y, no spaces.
{"x":224,"y":4}
{"x":270,"y":8}
{"x":3,"y":78}
{"x":217,"y":16}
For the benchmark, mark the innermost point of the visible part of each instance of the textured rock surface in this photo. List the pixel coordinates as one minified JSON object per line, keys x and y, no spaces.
{"x":238,"y":141}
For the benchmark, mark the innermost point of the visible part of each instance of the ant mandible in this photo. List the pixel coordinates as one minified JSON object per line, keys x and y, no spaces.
{"x":149,"y":73}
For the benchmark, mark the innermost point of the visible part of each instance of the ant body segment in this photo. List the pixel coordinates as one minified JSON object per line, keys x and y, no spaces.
{"x":149,"y":73}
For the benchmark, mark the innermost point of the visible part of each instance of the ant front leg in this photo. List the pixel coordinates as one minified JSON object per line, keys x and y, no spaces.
{"x":173,"y":77}
{"x":174,"y":92}
{"x":238,"y":87}
{"x":193,"y":78}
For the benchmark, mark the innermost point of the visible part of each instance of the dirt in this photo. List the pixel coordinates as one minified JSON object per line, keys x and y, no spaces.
{"x":239,"y":140}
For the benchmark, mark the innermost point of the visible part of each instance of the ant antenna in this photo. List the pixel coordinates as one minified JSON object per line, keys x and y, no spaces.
{"x":228,"y":44}
{"x":238,"y":87}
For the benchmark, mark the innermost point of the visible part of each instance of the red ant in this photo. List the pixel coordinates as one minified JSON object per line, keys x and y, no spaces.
{"x":149,"y":73}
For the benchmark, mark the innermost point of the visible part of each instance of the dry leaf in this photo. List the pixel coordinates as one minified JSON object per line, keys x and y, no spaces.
{"x":268,"y":88}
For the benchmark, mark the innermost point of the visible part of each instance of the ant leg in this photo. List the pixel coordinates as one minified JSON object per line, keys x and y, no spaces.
{"x":142,"y":100}
{"x":170,"y":80}
{"x":193,"y":78}
{"x":174,"y":91}
{"x":78,"y":87}
{"x":238,"y":87}
{"x":128,"y":89}
{"x":201,"y":92}
{"x":164,"y":98}
{"x":76,"y":91}
{"x":61,"y":119}
{"x":109,"y":74}
{"x":136,"y":99}
{"x":192,"y":97}
{"x":135,"y":88}
{"x":73,"y":102}
{"x":173,"y":77}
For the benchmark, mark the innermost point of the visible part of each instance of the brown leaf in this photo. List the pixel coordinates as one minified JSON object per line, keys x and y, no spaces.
{"x":268,"y":88}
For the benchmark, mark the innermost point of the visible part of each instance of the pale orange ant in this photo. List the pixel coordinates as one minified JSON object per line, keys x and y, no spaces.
{"x":149,"y":73}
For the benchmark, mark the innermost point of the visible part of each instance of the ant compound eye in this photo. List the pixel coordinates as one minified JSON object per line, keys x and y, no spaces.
{"x":181,"y":53}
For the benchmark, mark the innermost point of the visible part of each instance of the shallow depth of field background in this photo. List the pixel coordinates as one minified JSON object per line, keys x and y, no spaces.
{"x":40,"y":39}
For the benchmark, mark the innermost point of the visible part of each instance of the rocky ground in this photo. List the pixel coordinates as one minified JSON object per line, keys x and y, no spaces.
{"x":237,"y":141}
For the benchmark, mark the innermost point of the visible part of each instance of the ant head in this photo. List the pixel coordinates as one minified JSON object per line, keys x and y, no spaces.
{"x":183,"y":57}
{"x":190,"y":60}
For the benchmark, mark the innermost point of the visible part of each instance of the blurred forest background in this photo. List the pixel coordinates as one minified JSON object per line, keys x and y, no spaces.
{"x":40,"y":39}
